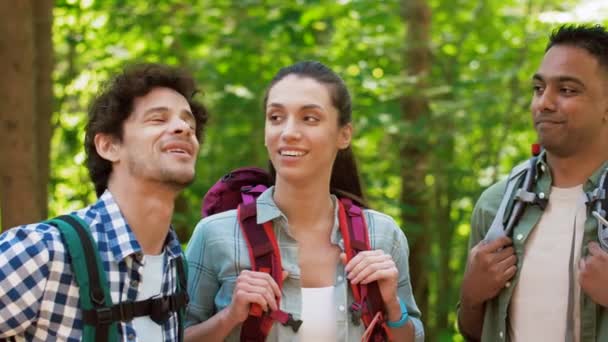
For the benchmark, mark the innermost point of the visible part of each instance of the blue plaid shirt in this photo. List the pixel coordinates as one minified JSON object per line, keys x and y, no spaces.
{"x":38,"y":293}
{"x":217,"y":253}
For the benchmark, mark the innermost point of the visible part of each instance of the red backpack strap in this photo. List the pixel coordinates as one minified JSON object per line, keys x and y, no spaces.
{"x":368,"y":302}
{"x":265,"y":256}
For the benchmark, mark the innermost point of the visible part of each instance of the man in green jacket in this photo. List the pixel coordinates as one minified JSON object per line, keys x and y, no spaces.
{"x":548,"y":279}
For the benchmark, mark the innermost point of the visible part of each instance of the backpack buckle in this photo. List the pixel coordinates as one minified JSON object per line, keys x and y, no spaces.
{"x":356,"y":311}
{"x":293,"y":323}
{"x":104,"y":316}
{"x":160,"y":309}
{"x":596,"y":195}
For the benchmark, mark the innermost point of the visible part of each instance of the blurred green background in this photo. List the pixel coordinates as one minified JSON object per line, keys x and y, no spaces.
{"x":441,"y":90}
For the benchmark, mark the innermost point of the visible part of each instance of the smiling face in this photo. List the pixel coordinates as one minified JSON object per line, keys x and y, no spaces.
{"x":302,"y":134}
{"x":570,"y":106}
{"x":158,"y":143}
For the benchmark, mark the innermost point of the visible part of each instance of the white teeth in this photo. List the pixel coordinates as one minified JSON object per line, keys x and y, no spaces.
{"x":292,"y":153}
{"x":177,"y":150}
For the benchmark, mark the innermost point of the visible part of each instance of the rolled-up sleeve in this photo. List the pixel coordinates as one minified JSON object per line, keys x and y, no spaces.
{"x":400,"y":254}
{"x":203,"y":283}
{"x":387,"y":235}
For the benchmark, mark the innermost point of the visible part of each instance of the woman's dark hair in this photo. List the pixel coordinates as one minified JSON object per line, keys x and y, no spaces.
{"x":114,"y":105}
{"x":344,"y":175}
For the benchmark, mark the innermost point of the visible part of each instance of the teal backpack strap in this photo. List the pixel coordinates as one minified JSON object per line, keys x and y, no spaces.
{"x":90,"y":277}
{"x":182,"y":286}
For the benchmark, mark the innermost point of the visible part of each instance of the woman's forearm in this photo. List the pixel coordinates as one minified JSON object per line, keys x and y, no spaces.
{"x":216,"y":328}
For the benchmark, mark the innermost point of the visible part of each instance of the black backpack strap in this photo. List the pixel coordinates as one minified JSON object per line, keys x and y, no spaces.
{"x":182,"y":290}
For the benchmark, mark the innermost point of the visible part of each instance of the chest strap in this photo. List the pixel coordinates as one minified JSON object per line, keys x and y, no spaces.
{"x":159,"y":309}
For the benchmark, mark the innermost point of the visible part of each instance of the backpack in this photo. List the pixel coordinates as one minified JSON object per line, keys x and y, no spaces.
{"x":519,"y":193}
{"x":99,"y":314}
{"x":239,"y":189}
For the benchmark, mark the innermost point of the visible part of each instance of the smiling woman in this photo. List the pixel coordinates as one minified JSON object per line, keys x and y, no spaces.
{"x":308,"y":132}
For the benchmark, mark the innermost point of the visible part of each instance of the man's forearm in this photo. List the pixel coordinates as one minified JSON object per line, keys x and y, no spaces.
{"x":470,"y":320}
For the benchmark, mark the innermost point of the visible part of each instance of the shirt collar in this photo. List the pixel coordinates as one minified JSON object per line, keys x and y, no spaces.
{"x":542,"y":168}
{"x":266,"y":208}
{"x":121,"y":241}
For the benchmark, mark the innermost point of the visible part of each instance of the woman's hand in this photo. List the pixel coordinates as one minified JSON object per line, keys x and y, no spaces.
{"x":369,"y":266}
{"x":253,"y":288}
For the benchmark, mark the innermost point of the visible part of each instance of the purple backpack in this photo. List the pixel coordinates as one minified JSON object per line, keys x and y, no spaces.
{"x":239,"y":190}
{"x":239,"y":186}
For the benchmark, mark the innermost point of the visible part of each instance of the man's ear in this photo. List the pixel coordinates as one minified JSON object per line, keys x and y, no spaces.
{"x":345,"y":135}
{"x":107,"y":147}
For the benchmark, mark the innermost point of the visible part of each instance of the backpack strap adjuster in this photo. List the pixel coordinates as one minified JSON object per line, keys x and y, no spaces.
{"x":525,"y":196}
{"x":160,"y":309}
{"x":126,"y":311}
{"x":104,"y":316}
{"x":596,"y":195}
{"x":356,"y":311}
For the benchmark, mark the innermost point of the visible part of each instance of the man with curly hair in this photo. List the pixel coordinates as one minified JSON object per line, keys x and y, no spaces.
{"x":142,"y":142}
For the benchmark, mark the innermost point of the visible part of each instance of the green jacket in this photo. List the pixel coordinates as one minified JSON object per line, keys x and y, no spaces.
{"x":594,"y":317}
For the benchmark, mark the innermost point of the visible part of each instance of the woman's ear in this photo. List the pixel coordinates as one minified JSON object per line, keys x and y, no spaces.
{"x":107,"y":147}
{"x":345,"y":135}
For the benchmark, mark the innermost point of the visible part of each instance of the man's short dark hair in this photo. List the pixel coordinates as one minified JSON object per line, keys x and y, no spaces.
{"x":114,"y":105}
{"x":592,"y":38}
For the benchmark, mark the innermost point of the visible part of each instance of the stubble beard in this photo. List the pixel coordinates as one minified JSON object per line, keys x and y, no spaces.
{"x":172,"y":178}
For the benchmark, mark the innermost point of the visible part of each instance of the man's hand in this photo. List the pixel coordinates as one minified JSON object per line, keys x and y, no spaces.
{"x":490,"y":266}
{"x":593,"y":274}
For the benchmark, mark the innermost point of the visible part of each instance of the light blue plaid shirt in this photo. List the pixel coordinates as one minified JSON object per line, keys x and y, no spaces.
{"x":38,"y":293}
{"x":217,"y":253}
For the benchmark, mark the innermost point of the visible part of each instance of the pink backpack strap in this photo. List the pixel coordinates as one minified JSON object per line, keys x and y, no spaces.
{"x":250,"y":193}
{"x":265,"y":256}
{"x":367,"y":299}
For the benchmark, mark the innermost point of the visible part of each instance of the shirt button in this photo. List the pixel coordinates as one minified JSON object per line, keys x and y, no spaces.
{"x":520,"y":236}
{"x":541,"y":195}
{"x":340,"y":278}
{"x":134,"y":283}
{"x":543,"y":168}
{"x":341,"y":308}
{"x":501,"y":334}
{"x":508,"y":284}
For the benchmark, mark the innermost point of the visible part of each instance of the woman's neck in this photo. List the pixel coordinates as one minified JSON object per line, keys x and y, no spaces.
{"x":304,"y":206}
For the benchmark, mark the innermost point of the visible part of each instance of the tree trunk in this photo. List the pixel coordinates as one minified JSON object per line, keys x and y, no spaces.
{"x":43,"y":62}
{"x":415,"y":113}
{"x":19,"y":172}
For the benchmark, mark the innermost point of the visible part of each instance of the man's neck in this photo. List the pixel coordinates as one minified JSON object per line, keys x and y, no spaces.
{"x":147,"y":209}
{"x":574,"y":170}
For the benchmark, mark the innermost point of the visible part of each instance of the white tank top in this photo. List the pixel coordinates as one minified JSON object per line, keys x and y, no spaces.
{"x":318,"y":315}
{"x":150,"y":286}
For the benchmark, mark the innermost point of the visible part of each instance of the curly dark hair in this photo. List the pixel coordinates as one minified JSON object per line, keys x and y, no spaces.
{"x":592,"y":38}
{"x":114,"y":105}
